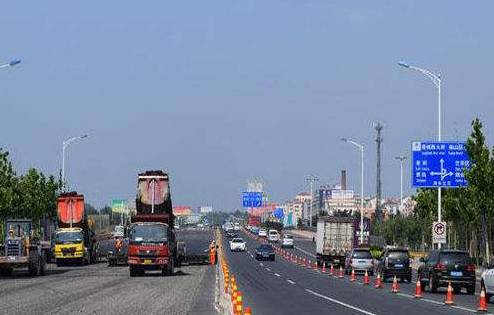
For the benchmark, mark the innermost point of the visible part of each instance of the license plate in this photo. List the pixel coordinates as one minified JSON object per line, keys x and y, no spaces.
{"x":11,"y":258}
{"x":148,"y":261}
{"x":456,"y":273}
{"x":361,"y":261}
{"x":399,"y":266}
{"x":336,"y":261}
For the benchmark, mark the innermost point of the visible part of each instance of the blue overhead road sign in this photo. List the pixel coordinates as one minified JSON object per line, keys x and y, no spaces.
{"x":439,"y":164}
{"x":252,"y":199}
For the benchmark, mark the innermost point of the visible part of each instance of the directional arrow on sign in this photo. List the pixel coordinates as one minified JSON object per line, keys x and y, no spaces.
{"x":443,"y":173}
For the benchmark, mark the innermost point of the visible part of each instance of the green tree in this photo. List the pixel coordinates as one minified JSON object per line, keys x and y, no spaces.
{"x":480,"y":183}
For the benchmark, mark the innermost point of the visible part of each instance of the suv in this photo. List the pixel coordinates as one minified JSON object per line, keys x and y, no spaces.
{"x":442,"y":266}
{"x":287,"y":241}
{"x":273,"y":236}
{"x":359,"y":260}
{"x":395,"y":262}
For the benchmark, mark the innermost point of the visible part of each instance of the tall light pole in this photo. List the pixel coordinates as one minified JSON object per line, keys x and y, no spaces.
{"x":10,"y":64}
{"x":436,"y":79}
{"x":311,"y":179}
{"x":361,"y":147}
{"x":65,"y":144}
{"x":402,"y":159}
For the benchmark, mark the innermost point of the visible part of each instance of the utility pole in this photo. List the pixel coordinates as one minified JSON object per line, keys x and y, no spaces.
{"x":402,"y":159}
{"x":311,"y":179}
{"x":379,"y":141}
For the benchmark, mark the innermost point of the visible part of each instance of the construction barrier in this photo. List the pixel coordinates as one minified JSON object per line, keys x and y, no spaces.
{"x":231,"y":299}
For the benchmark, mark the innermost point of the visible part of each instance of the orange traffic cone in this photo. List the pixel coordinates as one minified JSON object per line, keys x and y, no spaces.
{"x":309,"y":265}
{"x":378,"y":284}
{"x":239,"y":306}
{"x":395,"y":288}
{"x":482,"y":303}
{"x":366,"y":278}
{"x":341,"y":275}
{"x":323,"y":267}
{"x":305,"y":262}
{"x":315,"y":266}
{"x":331,"y":270}
{"x":418,"y":290}
{"x":352,"y":277}
{"x":247,"y":311}
{"x":449,"y":295}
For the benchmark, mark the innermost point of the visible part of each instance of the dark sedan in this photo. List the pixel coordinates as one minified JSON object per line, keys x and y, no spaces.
{"x":265,"y":252}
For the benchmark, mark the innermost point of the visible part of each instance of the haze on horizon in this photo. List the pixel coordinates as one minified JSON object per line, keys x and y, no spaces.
{"x":220,"y":92}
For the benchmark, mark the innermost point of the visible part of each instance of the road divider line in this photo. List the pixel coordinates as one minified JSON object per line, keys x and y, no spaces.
{"x":268,"y":269}
{"x":277,"y":274}
{"x":340,"y":303}
{"x":290,"y":281}
{"x":437,"y":302}
{"x":304,"y":251}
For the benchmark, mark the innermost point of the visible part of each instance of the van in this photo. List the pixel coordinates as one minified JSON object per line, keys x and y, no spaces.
{"x":273,"y":236}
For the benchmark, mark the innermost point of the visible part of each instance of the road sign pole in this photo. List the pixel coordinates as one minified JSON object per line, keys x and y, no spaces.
{"x":439,"y":199}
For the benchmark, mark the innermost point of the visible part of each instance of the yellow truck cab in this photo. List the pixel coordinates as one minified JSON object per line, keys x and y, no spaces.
{"x":69,"y":246}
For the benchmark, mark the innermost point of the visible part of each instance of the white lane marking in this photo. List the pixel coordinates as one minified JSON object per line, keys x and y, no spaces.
{"x":268,"y":269}
{"x":251,"y":255}
{"x":277,"y":274}
{"x":340,"y":303}
{"x":290,"y":281}
{"x":305,"y":252}
{"x":437,"y":302}
{"x":261,"y":264}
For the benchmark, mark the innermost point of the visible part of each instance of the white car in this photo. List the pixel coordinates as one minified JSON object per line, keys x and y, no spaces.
{"x":273,"y":236}
{"x":287,"y":241}
{"x":237,"y":245}
{"x":263,"y":233}
{"x":487,"y":282}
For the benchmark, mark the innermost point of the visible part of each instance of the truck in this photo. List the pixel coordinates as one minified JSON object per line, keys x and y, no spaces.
{"x":22,"y":249}
{"x":253,"y":220}
{"x":334,"y":239}
{"x":74,"y":237}
{"x":152,"y":241}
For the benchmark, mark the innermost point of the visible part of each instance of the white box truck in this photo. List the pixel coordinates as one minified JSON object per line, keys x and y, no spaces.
{"x":334,"y":239}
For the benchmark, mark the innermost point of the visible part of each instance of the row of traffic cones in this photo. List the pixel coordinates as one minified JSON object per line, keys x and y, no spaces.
{"x":230,"y":283}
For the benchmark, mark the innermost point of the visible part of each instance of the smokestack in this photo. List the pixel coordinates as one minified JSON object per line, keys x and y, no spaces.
{"x":343,"y":179}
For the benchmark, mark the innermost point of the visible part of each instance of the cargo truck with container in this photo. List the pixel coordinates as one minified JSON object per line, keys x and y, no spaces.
{"x":74,"y":238}
{"x":152,"y":242}
{"x":334,"y":239}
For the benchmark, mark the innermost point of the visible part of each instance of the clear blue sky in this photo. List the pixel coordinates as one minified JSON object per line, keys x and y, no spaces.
{"x":217,"y":92}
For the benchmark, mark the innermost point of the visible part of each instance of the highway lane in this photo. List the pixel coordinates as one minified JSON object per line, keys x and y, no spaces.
{"x":305,"y":248}
{"x":283,"y":282}
{"x":98,"y":289}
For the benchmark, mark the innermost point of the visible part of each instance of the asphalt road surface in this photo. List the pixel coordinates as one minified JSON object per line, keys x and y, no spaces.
{"x":282,"y":287}
{"x":98,"y":289}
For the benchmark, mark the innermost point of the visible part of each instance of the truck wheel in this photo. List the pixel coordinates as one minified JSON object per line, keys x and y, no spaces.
{"x":133,"y":271}
{"x":34,"y":265}
{"x":168,"y":271}
{"x":42,"y":267}
{"x":6,"y":271}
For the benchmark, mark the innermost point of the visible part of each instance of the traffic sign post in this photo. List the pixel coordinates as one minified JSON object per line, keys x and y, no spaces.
{"x":439,"y":232}
{"x":252,"y":199}
{"x":439,"y":164}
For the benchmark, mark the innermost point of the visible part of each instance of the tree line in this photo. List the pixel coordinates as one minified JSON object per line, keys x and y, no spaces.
{"x":468,"y":211}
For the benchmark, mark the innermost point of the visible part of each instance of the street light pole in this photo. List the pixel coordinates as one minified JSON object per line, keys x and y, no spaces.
{"x":436,"y":79}
{"x":402,"y":159}
{"x":361,"y":147}
{"x":311,"y":179}
{"x":65,"y":144}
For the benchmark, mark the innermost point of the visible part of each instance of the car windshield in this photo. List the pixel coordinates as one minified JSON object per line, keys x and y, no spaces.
{"x":454,"y":258}
{"x":69,"y":237}
{"x":273,"y":232}
{"x":237,"y":240}
{"x":362,"y":254}
{"x":153,"y":233}
{"x":288,"y":237}
{"x":398,"y":254}
{"x":265,"y":248}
